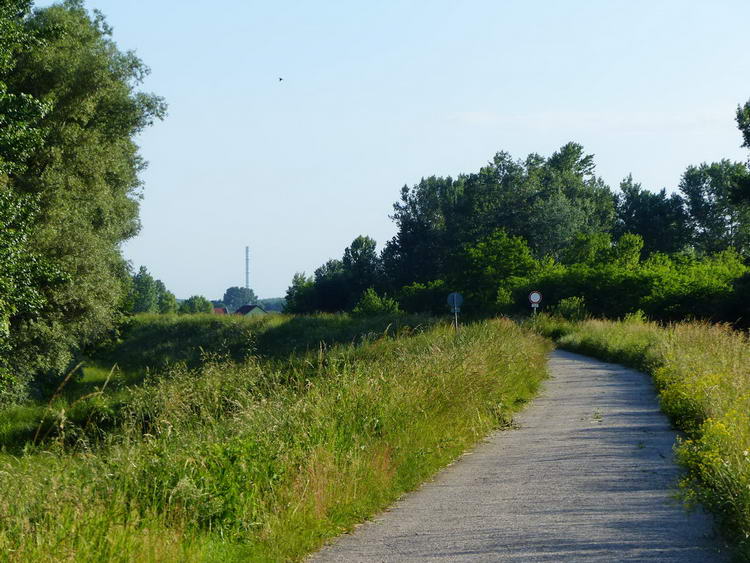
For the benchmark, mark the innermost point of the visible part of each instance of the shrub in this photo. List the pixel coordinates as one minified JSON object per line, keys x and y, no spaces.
{"x":571,"y":308}
{"x":371,"y":304}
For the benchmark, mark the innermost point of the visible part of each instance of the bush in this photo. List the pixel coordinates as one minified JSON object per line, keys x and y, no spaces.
{"x":571,"y":308}
{"x":424,"y":298}
{"x":195,"y":304}
{"x":371,"y":304}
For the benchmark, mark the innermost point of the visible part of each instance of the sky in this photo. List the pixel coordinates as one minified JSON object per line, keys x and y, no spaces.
{"x":380,"y":94}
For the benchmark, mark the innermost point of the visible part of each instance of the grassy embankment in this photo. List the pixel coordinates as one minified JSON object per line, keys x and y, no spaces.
{"x":702,"y":374}
{"x":266,"y":458}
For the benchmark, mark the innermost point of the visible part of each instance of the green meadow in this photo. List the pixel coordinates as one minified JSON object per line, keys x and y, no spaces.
{"x":247,"y":456}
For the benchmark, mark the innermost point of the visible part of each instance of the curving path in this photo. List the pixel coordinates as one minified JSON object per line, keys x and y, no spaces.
{"x":587,"y":476}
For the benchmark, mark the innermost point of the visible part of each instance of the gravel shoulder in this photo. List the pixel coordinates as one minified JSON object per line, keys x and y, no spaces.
{"x":587,"y":475}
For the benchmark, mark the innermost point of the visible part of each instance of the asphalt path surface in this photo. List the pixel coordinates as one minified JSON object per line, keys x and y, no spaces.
{"x":587,"y":475}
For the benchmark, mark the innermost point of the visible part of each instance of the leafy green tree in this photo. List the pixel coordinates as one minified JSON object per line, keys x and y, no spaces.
{"x":331,"y":289}
{"x":546,"y":201}
{"x":84,"y":173}
{"x":491,"y":263}
{"x":743,"y":122}
{"x":741,"y":189}
{"x":588,"y":249}
{"x":300,"y":296}
{"x":662,"y":221}
{"x":361,"y":267}
{"x":718,"y":223}
{"x":235,"y":297}
{"x":22,"y":275}
{"x":418,"y":252}
{"x":195,"y":304}
{"x":145,"y":292}
{"x":627,"y":251}
{"x":338,"y":284}
{"x":166,"y":302}
{"x":20,"y":113}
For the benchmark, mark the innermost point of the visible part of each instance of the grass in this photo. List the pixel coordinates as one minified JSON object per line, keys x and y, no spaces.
{"x":702,"y":374}
{"x":266,"y":458}
{"x":89,"y":403}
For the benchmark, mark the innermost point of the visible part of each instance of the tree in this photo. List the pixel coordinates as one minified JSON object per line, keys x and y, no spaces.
{"x":361,"y":267}
{"x":145,"y":292}
{"x":491,"y":262}
{"x":195,"y":304}
{"x":743,"y":123}
{"x":166,"y":302}
{"x":546,"y":201}
{"x":331,"y":291}
{"x":84,"y":171}
{"x":418,"y":251}
{"x":662,"y":221}
{"x":22,"y":275}
{"x":587,"y":249}
{"x":741,"y":189}
{"x":717,"y":222}
{"x":20,"y":113}
{"x":235,"y":297}
{"x":300,"y":295}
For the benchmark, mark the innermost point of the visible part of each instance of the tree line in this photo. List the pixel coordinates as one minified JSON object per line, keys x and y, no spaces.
{"x":149,"y":295}
{"x":551,"y":223}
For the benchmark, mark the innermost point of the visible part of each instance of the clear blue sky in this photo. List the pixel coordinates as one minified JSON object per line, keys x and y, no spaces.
{"x":379,"y":94}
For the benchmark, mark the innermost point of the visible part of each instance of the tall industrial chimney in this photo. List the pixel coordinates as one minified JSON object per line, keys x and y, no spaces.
{"x":247,"y":267}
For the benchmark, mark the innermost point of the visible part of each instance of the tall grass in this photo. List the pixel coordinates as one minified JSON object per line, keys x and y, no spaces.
{"x":702,"y":373}
{"x":264,"y":460}
{"x":153,"y":342}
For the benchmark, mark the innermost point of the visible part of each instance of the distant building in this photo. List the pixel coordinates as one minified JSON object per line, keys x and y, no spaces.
{"x":220,"y":311}
{"x":248,"y":310}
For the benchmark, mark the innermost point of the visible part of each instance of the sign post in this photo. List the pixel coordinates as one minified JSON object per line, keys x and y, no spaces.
{"x":455,"y":300}
{"x":535,"y":297}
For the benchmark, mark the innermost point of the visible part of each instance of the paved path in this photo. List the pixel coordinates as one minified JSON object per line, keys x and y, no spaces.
{"x":587,"y":476}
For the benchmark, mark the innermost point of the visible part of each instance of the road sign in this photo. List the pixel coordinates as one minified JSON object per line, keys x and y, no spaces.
{"x":535,"y":297}
{"x":455,"y":300}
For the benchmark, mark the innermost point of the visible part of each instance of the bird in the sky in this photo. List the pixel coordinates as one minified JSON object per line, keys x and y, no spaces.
{"x":280,"y":79}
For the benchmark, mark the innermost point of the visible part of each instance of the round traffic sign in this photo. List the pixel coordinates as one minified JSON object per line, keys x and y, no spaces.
{"x":455,"y":300}
{"x":535,"y":297}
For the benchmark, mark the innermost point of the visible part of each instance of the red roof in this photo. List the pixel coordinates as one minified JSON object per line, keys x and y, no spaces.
{"x":220,"y":311}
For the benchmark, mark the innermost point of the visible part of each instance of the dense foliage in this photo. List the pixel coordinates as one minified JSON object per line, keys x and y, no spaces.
{"x":195,"y":304}
{"x":69,"y":111}
{"x":149,"y":295}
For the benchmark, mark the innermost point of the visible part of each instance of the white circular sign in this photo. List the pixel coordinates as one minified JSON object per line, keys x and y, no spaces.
{"x":535,"y":297}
